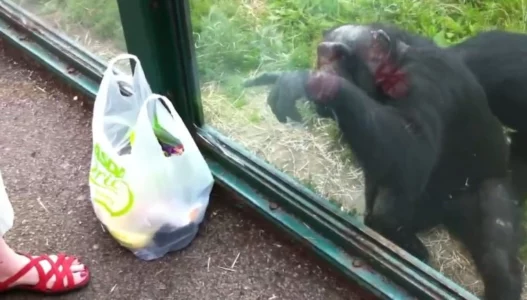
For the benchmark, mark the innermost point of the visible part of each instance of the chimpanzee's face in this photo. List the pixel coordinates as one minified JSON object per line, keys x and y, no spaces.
{"x":341,"y":53}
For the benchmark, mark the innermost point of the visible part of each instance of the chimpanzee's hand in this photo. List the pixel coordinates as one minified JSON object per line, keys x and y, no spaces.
{"x":287,"y":88}
{"x":323,"y":87}
{"x":285,"y":93}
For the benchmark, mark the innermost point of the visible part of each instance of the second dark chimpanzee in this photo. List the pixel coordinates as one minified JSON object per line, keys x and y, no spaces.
{"x":498,"y":59}
{"x":432,"y":152}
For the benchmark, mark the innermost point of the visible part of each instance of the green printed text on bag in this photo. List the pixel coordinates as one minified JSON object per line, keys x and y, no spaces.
{"x":111,"y":190}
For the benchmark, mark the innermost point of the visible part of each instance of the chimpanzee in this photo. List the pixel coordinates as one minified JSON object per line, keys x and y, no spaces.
{"x":431,"y":150}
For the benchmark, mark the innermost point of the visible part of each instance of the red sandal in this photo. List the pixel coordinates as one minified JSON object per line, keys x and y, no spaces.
{"x":63,"y":262}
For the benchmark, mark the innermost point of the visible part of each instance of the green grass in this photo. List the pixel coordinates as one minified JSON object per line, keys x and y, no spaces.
{"x":234,"y":37}
{"x":232,"y":41}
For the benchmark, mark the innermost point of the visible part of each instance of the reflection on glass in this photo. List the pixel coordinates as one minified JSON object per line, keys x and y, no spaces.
{"x":237,"y":40}
{"x":94,"y":24}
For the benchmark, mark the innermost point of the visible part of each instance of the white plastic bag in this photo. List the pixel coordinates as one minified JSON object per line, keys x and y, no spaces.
{"x":135,"y":189}
{"x":6,"y":210}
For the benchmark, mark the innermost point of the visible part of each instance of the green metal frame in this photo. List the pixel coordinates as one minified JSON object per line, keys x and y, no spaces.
{"x":150,"y":29}
{"x":158,"y":32}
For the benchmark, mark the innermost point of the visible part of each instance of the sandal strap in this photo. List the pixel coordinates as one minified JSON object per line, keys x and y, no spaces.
{"x":60,"y":268}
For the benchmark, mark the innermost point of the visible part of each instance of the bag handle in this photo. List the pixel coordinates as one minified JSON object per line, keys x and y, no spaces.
{"x":109,"y":86}
{"x":145,"y":137}
{"x":168,"y":103}
{"x":109,"y":78}
{"x":120,"y":57}
{"x":113,"y":84}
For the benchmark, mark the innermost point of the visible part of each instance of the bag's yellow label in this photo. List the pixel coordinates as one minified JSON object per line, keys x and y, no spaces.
{"x":131,"y":240}
{"x":110,"y":190}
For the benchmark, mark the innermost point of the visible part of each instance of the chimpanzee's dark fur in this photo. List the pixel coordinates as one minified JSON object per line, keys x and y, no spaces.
{"x":288,"y":87}
{"x":499,"y":61}
{"x":431,"y":150}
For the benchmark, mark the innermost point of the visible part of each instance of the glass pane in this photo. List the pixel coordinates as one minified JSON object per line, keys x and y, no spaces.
{"x":237,"y":40}
{"x":94,"y":24}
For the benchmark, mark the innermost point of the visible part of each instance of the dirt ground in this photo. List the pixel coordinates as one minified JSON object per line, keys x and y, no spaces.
{"x":45,"y":149}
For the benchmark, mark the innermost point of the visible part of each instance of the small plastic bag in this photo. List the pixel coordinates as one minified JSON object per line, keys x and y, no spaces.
{"x":149,"y":184}
{"x":7,"y":214}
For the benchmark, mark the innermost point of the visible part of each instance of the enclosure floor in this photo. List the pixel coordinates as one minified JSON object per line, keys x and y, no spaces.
{"x":44,"y":157}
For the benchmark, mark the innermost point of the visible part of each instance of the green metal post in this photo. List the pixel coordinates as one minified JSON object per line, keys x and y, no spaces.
{"x":152,"y":35}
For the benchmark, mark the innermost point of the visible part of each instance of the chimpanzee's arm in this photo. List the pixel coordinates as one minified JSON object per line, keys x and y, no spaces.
{"x":397,"y":145}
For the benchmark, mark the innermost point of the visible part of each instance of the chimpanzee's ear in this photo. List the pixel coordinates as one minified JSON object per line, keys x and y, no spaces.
{"x":378,"y":50}
{"x":382,"y":50}
{"x":382,"y":41}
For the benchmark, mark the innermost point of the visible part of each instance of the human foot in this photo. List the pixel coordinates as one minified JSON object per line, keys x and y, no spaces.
{"x":47,"y":274}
